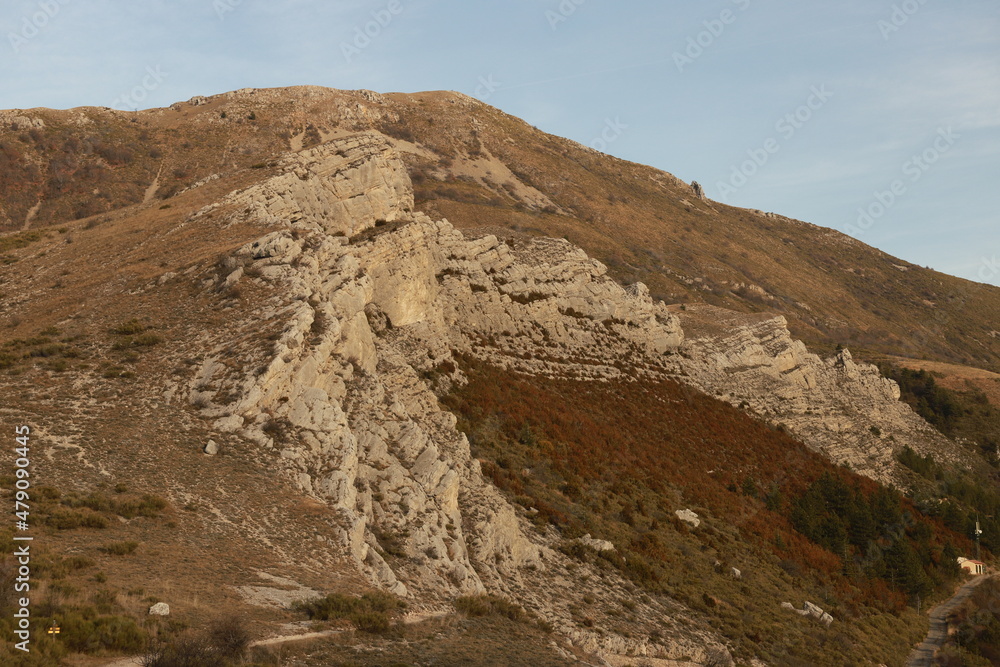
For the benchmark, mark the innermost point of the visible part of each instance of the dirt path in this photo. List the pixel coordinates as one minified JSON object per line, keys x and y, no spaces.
{"x":409,"y":619}
{"x":31,"y":215}
{"x":136,"y":661}
{"x":923,"y":654}
{"x":153,"y":187}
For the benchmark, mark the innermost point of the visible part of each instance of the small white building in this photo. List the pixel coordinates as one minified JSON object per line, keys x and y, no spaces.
{"x":971,"y":566}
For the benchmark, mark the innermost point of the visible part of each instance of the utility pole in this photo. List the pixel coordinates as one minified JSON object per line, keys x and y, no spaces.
{"x":978,"y":533}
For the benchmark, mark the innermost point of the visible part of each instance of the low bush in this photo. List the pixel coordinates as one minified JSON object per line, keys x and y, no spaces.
{"x":128,"y":507}
{"x":120,"y":548}
{"x":84,"y":634}
{"x":142,"y":340}
{"x":489,"y":605}
{"x":62,"y":519}
{"x":229,"y":637}
{"x":369,"y":613}
{"x":129,"y":328}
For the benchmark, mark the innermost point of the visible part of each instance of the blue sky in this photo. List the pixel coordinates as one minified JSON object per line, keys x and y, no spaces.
{"x":879,"y":118}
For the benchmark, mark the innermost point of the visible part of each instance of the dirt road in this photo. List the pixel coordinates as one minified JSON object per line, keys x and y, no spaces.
{"x":923,"y":654}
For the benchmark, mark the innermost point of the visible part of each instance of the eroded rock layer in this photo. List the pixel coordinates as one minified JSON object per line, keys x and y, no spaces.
{"x":369,"y":299}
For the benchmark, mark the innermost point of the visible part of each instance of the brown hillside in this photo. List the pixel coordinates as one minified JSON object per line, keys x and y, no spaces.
{"x":480,"y":167}
{"x":130,"y":326}
{"x":958,"y":378}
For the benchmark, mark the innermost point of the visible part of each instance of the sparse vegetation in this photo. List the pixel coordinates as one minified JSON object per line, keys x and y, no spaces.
{"x":50,"y":354}
{"x":487,"y":605}
{"x":142,"y":340}
{"x":91,"y":621}
{"x":974,"y":632}
{"x":18,"y":241}
{"x":225,"y":643}
{"x":372,"y":612}
{"x":126,"y":548}
{"x":129,"y":328}
{"x":616,"y":459}
{"x":958,"y":414}
{"x":392,"y":543}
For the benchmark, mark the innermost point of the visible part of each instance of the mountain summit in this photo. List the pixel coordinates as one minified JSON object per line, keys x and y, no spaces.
{"x":451,"y":388}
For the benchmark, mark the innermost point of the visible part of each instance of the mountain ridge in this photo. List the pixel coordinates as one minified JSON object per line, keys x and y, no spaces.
{"x":302,"y":311}
{"x":478,"y":167}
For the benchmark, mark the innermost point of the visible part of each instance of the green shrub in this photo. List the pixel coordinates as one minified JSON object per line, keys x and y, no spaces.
{"x":62,"y":519}
{"x":105,"y":601}
{"x":229,"y":637}
{"x":141,"y":340}
{"x":147,"y":506}
{"x":474,"y":605}
{"x":371,"y":621}
{"x":129,"y":328}
{"x":86,"y":634}
{"x":52,"y":350}
{"x":147,"y":340}
{"x":489,"y":605}
{"x":120,"y":548}
{"x":190,"y":651}
{"x":79,"y":562}
{"x":922,"y":465}
{"x":56,"y":365}
{"x":369,"y":613}
{"x":93,"y":521}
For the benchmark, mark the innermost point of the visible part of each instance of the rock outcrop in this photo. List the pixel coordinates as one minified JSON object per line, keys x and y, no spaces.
{"x":811,"y":610}
{"x":160,"y":609}
{"x":845,"y":409}
{"x":339,"y":188}
{"x":369,"y":298}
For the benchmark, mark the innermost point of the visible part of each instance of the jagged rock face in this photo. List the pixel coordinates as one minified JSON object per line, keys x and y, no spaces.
{"x":340,"y":187}
{"x":372,"y":296}
{"x":367,"y":306}
{"x":840,"y":407}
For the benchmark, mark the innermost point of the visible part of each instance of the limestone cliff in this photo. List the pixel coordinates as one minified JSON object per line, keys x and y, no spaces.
{"x":368,"y":298}
{"x":838,"y":406}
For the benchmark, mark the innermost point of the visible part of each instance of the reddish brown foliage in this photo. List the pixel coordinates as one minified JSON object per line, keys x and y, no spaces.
{"x":606,"y":440}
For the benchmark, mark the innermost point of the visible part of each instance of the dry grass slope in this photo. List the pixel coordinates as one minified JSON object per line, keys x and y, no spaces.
{"x":481,"y":167}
